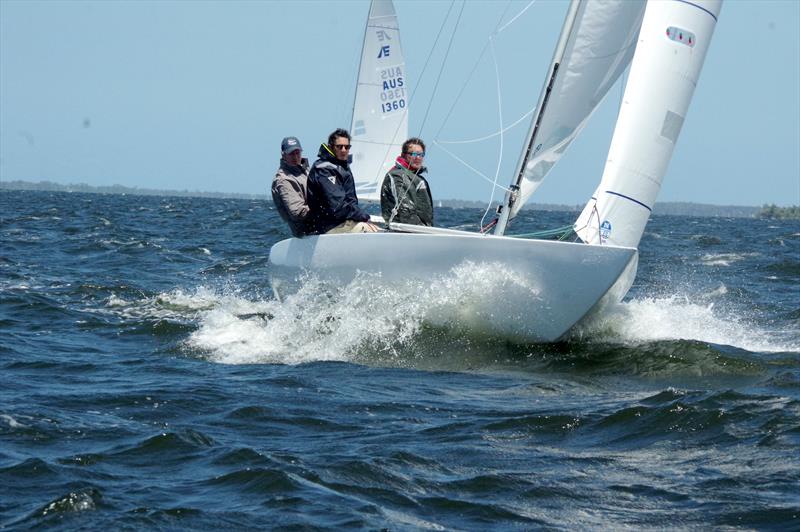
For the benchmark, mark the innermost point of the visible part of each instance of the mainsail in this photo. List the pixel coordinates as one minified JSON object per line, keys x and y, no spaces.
{"x":672,"y":47}
{"x":596,"y":46}
{"x":380,"y":111}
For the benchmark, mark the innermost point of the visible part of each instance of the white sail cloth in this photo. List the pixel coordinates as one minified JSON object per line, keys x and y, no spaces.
{"x":672,"y":47}
{"x":599,"y":48}
{"x":380,"y":111}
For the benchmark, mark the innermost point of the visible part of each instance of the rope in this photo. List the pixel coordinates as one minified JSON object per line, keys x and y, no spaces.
{"x":399,"y":199}
{"x":561,"y":232}
{"x":489,"y":43}
{"x":462,"y":161}
{"x":490,"y":135}
{"x":485,"y":229}
{"x":500,"y":116}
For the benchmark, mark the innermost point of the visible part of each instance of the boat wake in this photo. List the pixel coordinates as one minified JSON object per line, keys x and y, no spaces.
{"x":365,"y":319}
{"x":371,"y":322}
{"x":652,"y":319}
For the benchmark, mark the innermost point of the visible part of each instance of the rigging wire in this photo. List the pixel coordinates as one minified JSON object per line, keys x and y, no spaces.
{"x":469,"y":76}
{"x":510,"y":22}
{"x":414,"y":92}
{"x":441,"y":70}
{"x":464,"y":85}
{"x":491,"y":135}
{"x":490,"y":44}
{"x":433,"y":47}
{"x":476,"y":171}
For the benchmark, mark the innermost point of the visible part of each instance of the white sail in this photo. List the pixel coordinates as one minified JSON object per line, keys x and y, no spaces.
{"x":598,"y":49}
{"x":380,"y":111}
{"x":672,"y":47}
{"x":539,"y":289}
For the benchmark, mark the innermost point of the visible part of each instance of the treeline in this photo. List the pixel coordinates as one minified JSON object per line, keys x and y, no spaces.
{"x":119,"y":189}
{"x":664,"y":208}
{"x":773,"y":212}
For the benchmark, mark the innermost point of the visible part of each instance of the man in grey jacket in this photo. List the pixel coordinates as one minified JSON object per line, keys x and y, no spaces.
{"x":290,"y":188}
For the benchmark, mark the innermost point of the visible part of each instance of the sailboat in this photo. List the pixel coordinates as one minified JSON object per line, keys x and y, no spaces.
{"x":380,"y":111}
{"x":558,"y":283}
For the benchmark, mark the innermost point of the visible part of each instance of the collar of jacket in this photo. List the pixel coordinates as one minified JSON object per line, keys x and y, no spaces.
{"x":295,"y":169}
{"x":402,"y":163}
{"x":326,"y":154}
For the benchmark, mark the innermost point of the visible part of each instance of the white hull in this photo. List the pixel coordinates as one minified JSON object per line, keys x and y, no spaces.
{"x":555,"y":283}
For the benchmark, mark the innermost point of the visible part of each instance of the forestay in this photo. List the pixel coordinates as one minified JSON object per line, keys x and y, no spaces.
{"x":600,"y":42}
{"x":380,"y":111}
{"x":672,"y":47}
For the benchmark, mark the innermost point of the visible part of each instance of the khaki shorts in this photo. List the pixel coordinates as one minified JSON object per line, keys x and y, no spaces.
{"x":351,"y":226}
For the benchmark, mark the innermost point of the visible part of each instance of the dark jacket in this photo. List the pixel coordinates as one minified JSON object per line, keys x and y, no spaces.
{"x":332,"y":193}
{"x":289,"y":195}
{"x":408,"y":193}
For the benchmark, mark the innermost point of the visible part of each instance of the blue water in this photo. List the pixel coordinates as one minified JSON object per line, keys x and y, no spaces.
{"x":149,"y":380}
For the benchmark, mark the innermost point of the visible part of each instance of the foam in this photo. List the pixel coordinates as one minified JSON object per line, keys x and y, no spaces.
{"x":724,"y":259}
{"x":677,"y":317}
{"x":370,"y":318}
{"x":324,"y":323}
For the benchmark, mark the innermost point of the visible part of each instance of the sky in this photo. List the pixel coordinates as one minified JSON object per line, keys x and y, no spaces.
{"x":197,"y":95}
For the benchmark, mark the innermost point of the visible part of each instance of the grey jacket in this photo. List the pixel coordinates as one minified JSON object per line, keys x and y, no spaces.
{"x":289,"y":192}
{"x":407,"y":193}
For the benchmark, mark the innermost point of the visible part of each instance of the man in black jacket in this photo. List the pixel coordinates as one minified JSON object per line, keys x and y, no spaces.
{"x":332,"y":191}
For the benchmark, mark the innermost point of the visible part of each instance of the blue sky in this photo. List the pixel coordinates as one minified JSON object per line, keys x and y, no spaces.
{"x":197,"y":95}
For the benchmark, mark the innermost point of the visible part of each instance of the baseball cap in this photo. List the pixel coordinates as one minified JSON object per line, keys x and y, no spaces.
{"x":290,"y":144}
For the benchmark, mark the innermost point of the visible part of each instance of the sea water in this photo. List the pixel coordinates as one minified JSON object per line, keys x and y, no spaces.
{"x":150,"y":380}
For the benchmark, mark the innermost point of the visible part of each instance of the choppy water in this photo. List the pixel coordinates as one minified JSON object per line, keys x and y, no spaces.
{"x":148,"y":379}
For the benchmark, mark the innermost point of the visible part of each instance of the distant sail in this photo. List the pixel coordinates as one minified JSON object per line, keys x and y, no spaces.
{"x":380,"y":112}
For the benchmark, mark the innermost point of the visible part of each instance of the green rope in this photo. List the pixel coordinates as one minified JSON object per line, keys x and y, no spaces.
{"x":560,"y":232}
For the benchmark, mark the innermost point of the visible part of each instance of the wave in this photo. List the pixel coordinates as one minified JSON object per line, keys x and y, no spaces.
{"x":725,"y":259}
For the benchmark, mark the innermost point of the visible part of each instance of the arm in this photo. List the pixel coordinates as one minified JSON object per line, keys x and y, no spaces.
{"x":426,"y":207}
{"x":291,"y":195}
{"x":387,"y":198}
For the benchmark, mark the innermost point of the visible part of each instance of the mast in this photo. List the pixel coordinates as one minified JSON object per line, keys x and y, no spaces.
{"x":511,"y":196}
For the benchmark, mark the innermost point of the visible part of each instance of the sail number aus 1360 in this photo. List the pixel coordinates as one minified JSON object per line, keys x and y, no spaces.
{"x":393,"y":106}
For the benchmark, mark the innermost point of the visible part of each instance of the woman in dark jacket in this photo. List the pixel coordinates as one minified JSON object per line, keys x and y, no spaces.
{"x":405,"y":194}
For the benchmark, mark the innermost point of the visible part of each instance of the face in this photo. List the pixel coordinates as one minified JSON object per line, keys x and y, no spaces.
{"x":341,"y":148}
{"x":414,"y":155}
{"x":294,"y":157}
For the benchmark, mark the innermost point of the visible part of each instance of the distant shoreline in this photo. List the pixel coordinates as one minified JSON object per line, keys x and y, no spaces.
{"x":664,"y":208}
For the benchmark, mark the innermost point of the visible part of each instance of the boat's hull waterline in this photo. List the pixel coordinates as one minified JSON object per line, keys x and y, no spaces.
{"x":558,"y":282}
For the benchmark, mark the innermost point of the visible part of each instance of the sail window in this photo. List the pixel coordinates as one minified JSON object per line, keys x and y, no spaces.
{"x":681,"y":36}
{"x":359,"y":128}
{"x":671,"y":127}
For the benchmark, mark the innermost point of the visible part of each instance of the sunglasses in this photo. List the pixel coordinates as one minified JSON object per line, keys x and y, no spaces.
{"x":416,"y":153}
{"x":343,"y":146}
